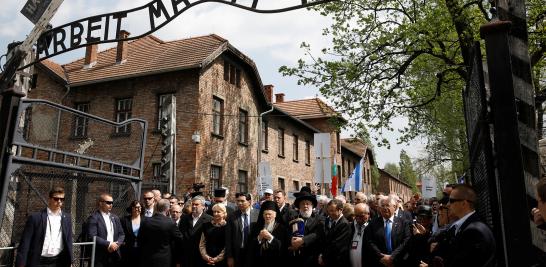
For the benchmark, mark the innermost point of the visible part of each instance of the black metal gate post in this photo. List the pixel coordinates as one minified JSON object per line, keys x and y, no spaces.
{"x":511,"y":143}
{"x":8,"y":116}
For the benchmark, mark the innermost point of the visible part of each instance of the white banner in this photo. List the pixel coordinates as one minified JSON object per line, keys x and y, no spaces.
{"x":265,"y":179}
{"x":323,"y":165}
{"x":428,"y":188}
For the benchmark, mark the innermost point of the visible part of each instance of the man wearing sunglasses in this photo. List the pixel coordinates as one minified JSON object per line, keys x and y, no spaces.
{"x":108,"y":230}
{"x":473,"y":243}
{"x":47,"y":237}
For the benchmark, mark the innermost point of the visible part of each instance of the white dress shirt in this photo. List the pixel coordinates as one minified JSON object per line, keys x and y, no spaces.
{"x":109,"y":226}
{"x":460,"y":222}
{"x":195,"y":219}
{"x":53,"y":241}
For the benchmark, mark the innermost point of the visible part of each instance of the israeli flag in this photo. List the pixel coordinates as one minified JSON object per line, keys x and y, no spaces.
{"x":354,"y":182}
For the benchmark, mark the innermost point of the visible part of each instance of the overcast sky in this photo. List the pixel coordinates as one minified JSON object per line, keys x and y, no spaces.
{"x":271,"y":40}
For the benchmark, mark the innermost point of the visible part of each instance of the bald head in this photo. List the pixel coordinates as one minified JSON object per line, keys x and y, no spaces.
{"x":362,"y":213}
{"x":360,"y":197}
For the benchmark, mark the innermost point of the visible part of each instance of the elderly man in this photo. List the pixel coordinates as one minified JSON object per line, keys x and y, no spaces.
{"x":175,"y":212}
{"x":307,"y":239}
{"x":106,"y":226}
{"x":47,"y":237}
{"x":387,"y":235}
{"x":156,"y":237}
{"x":191,"y":228}
{"x":473,"y":243}
{"x":360,"y":197}
{"x":358,"y":250}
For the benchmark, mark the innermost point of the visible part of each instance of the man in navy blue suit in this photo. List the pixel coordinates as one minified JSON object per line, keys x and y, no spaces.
{"x":387,"y":235}
{"x":47,"y":238}
{"x":473,"y":243}
{"x":109,"y":232}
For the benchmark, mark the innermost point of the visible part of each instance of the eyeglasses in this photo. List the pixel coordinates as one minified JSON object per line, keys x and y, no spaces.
{"x":148,"y":198}
{"x":453,"y":200}
{"x":107,"y":202}
{"x":58,"y":199}
{"x":137,"y":207}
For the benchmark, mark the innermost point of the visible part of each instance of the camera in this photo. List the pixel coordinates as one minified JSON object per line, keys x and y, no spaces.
{"x":198,"y":186}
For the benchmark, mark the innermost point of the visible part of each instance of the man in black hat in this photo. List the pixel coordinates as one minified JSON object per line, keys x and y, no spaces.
{"x":306,"y":242}
{"x":220,"y":197}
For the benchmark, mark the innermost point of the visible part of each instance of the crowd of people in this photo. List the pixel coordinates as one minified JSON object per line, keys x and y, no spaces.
{"x":164,"y":230}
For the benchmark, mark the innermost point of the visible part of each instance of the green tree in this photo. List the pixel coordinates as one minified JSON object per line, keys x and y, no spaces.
{"x":407,"y":172}
{"x":407,"y":58}
{"x":392,"y":169}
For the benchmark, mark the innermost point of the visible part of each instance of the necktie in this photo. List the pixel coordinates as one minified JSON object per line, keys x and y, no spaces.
{"x":388,"y":240}
{"x":245,"y":227}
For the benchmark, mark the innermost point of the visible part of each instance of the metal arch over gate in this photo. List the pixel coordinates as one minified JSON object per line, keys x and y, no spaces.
{"x":107,"y":27}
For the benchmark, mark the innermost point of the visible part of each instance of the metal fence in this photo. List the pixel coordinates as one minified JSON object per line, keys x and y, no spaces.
{"x":86,"y":155}
{"x":81,"y":259}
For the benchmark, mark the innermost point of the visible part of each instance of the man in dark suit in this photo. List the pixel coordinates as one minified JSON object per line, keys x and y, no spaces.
{"x":106,"y":226}
{"x":156,"y":236}
{"x":387,"y":235}
{"x":287,"y":212}
{"x":47,"y":237}
{"x":305,"y":248}
{"x":149,"y":204}
{"x":335,"y":251}
{"x":191,"y":229}
{"x":238,"y":230}
{"x":473,"y":243}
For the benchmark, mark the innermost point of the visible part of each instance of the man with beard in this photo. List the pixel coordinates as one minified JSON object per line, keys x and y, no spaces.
{"x":307,"y":232}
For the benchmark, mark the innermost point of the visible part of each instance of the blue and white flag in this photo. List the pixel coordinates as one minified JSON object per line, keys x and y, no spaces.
{"x":354,"y":182}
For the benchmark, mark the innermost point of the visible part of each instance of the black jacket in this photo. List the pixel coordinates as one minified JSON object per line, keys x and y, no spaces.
{"x":234,"y":236}
{"x":336,"y":244}
{"x":97,"y":227}
{"x":156,"y":236}
{"x":375,"y":237}
{"x":473,"y":245}
{"x":191,"y":256}
{"x":32,"y":240}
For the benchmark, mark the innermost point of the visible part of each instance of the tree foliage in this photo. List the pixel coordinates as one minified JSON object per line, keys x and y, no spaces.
{"x":404,"y":58}
{"x":407,"y":171}
{"x":392,"y":169}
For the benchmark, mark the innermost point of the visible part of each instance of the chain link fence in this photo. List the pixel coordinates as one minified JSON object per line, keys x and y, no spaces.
{"x":86,"y":155}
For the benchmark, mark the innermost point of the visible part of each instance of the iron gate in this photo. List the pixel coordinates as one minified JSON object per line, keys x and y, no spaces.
{"x":86,"y":155}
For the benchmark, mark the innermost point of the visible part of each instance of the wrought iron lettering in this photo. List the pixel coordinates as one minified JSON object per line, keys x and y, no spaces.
{"x":106,"y":28}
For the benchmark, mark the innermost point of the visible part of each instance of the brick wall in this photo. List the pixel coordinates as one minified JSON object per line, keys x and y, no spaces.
{"x":285,"y":167}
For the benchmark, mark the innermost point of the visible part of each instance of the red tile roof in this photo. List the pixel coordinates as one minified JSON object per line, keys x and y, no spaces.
{"x":147,"y":55}
{"x":358,"y":147}
{"x":307,"y":108}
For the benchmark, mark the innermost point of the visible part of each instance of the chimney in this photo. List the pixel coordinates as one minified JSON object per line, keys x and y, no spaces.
{"x":91,"y":55}
{"x":279,"y":98}
{"x":268,"y":91}
{"x":121,"y":55}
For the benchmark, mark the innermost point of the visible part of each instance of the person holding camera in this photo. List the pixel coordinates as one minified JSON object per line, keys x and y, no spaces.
{"x":418,"y":245}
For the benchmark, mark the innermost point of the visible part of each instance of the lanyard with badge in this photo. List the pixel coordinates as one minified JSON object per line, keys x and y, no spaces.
{"x":354,"y":245}
{"x":51,"y":250}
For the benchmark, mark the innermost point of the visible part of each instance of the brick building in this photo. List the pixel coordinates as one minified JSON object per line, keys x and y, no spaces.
{"x":388,"y":183}
{"x":219,"y":97}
